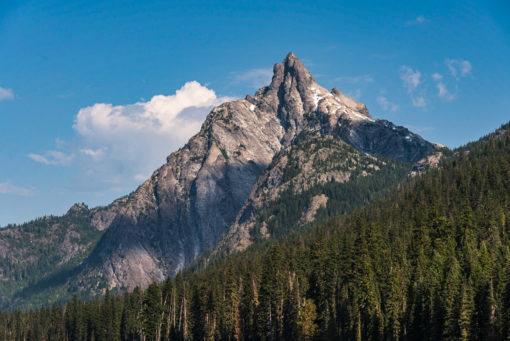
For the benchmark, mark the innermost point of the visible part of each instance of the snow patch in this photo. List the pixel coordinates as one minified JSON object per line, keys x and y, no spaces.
{"x":351,"y":114}
{"x":361,"y":117}
{"x":317,"y":96}
{"x":316,"y":99}
{"x":252,"y":107}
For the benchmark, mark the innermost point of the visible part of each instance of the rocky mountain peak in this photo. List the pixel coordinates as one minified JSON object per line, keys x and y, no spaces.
{"x":78,"y":208}
{"x":300,"y":102}
{"x":349,"y":102}
{"x":191,"y":201}
{"x":291,"y":94}
{"x":336,"y":92}
{"x":293,"y":74}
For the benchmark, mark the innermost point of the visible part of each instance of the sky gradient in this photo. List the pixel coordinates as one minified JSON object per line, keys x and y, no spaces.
{"x":95,"y":95}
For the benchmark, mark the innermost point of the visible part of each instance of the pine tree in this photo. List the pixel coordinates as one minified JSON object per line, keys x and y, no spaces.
{"x":151,"y":313}
{"x":306,"y":322}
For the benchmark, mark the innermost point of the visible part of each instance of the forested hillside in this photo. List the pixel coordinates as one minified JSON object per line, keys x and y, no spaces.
{"x":429,"y":262}
{"x":39,"y":255}
{"x":315,"y":178}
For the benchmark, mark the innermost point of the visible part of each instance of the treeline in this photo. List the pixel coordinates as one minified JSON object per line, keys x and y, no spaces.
{"x":429,"y":262}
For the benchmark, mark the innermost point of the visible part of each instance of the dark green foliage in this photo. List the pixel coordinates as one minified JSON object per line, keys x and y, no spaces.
{"x":429,"y":262}
{"x":42,"y":255}
{"x":368,"y":178}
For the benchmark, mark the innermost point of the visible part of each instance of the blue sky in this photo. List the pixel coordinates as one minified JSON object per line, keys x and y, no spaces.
{"x":95,"y":94}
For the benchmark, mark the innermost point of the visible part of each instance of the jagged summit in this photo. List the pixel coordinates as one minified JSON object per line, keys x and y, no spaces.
{"x":300,"y":103}
{"x":78,"y":207}
{"x":292,"y":70}
{"x":290,"y":57}
{"x":351,"y":103}
{"x":294,"y":93}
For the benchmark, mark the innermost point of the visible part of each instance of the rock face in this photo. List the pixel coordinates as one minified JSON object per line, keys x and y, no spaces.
{"x":225,"y":173}
{"x":429,"y":161}
{"x":187,"y":204}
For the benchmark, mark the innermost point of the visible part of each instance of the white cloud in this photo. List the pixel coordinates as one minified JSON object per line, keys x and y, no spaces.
{"x":52,"y":157}
{"x":465,"y":68}
{"x":118,"y":146}
{"x":437,"y":76}
{"x":255,"y":78}
{"x":96,"y":154}
{"x":416,"y":21}
{"x":158,"y":126}
{"x":442,"y":90}
{"x":6,"y":94}
{"x":418,"y":101}
{"x":412,"y":79}
{"x":387,"y":105}
{"x":160,"y":115}
{"x":458,"y":67}
{"x":8,"y":188}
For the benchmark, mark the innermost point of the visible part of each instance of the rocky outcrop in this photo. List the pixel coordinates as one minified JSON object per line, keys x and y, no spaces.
{"x":430,"y":161}
{"x":318,"y":201}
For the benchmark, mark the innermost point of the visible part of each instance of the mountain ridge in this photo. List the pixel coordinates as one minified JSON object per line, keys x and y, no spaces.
{"x":187,"y":204}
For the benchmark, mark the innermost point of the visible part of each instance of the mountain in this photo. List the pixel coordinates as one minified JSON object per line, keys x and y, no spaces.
{"x":187,"y":204}
{"x":292,"y":139}
{"x":430,"y":261}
